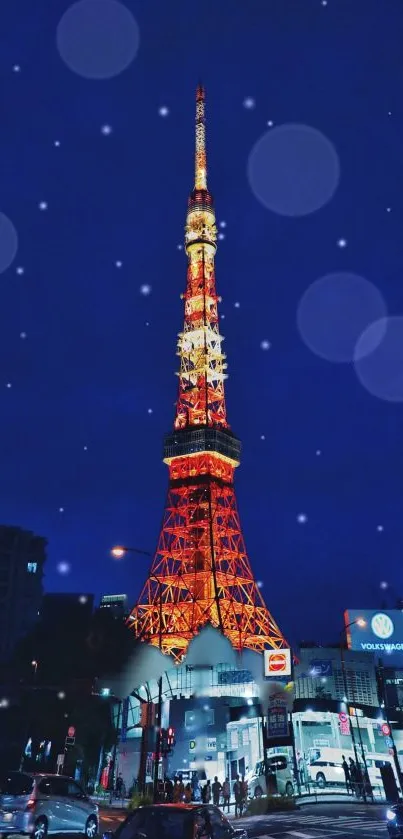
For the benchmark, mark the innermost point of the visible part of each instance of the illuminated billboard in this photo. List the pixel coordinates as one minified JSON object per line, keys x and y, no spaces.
{"x":277,"y":662}
{"x":378,"y":631}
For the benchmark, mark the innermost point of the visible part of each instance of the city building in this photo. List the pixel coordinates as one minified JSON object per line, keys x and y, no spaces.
{"x":319,"y":674}
{"x":22,"y":559}
{"x":116,"y":604}
{"x":67,"y":609}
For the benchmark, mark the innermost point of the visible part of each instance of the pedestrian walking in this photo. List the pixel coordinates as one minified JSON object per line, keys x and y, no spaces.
{"x":208,"y":792}
{"x":216,"y":789}
{"x":226,"y":794}
{"x":238,"y":797}
{"x":244,"y":794}
{"x":188,"y":793}
{"x":119,"y":786}
{"x":169,"y":790}
{"x":347,"y":776}
{"x":353,"y":776}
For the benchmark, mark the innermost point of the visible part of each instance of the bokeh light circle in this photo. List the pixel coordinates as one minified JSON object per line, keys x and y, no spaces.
{"x":335,"y":310}
{"x":98,"y":39}
{"x":8,"y":242}
{"x":381,"y":371}
{"x":293,"y":170}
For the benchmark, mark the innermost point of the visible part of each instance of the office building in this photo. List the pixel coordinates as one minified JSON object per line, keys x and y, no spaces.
{"x":22,"y":558}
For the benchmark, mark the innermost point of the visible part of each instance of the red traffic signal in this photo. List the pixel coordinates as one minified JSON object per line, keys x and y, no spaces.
{"x":171,"y":737}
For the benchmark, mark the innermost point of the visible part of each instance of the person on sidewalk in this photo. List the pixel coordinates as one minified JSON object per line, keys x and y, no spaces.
{"x":226,"y":794}
{"x":208,"y":792}
{"x":238,"y":797}
{"x":347,"y":777}
{"x":216,"y":789}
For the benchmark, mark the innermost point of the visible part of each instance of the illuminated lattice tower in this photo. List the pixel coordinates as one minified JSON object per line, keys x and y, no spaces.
{"x":201,"y":572}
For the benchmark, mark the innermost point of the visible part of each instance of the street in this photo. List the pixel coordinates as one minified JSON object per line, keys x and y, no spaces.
{"x":321,"y":821}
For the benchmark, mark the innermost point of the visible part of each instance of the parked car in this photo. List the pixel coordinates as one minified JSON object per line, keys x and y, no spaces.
{"x":394,"y":817}
{"x":176,"y":821}
{"x":37,"y":805}
{"x":277,"y":765}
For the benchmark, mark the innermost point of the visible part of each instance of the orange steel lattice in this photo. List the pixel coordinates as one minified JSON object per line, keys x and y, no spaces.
{"x":201,"y":572}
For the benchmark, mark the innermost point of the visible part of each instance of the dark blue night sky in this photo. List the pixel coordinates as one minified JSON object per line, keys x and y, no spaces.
{"x":96,"y":354}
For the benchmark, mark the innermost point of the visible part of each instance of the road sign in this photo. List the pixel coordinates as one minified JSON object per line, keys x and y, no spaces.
{"x":343,"y":717}
{"x":71,"y":731}
{"x":385,"y":728}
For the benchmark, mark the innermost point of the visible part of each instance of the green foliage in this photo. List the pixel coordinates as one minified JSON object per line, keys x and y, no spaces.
{"x":138,"y":800}
{"x":261,"y":806}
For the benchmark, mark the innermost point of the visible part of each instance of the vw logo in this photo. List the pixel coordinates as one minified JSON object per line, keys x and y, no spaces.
{"x":382,"y":626}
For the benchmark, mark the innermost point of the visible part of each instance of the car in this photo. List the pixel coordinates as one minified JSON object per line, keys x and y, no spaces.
{"x":39,"y":804}
{"x":394,"y":816}
{"x":176,"y":821}
{"x":278,"y":767}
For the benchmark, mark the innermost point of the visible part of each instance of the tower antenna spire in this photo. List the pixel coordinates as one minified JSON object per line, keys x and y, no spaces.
{"x":200,"y":148}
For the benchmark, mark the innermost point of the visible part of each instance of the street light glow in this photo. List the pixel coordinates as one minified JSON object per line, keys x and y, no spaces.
{"x":118,"y":552}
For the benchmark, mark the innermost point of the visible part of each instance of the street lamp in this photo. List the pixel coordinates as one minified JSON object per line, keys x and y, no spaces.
{"x":361,"y":622}
{"x":118,"y":552}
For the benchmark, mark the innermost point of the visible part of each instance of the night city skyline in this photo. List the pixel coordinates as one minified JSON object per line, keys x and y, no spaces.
{"x":95,"y":178}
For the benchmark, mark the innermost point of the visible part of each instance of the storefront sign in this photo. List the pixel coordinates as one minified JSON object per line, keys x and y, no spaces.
{"x":320,"y":668}
{"x":344,"y":723}
{"x":277,"y":721}
{"x":277,"y":663}
{"x":211,"y":744}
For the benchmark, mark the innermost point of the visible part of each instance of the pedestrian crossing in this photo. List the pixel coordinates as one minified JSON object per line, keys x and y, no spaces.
{"x":299,"y":822}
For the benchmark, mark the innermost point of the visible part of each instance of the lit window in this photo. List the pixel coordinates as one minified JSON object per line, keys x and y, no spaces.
{"x":31,"y":567}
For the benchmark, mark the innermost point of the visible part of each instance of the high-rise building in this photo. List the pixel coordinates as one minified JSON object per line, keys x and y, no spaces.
{"x":116,"y":604}
{"x":201,"y":572}
{"x":60,"y":609}
{"x":319,"y":673}
{"x":22,"y":557}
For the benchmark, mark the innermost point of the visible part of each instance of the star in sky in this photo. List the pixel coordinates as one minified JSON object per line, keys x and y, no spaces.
{"x":8,"y":385}
{"x":63,"y":567}
{"x":106,"y":130}
{"x":118,"y":263}
{"x":342,"y":243}
{"x":163,"y":111}
{"x":249,"y":103}
{"x":43,"y":205}
{"x":19,"y":270}
{"x":265,"y":345}
{"x":16,"y":68}
{"x":23,"y":335}
{"x":145,"y":290}
{"x":380,"y":528}
{"x":302,"y":518}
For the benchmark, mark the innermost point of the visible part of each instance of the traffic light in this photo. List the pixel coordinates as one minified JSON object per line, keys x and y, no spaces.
{"x":171,"y":738}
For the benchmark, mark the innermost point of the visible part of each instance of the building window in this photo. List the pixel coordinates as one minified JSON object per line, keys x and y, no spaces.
{"x":31,"y":567}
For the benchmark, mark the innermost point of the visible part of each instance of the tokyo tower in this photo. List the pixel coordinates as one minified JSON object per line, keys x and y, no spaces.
{"x":201,"y":573}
